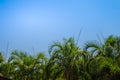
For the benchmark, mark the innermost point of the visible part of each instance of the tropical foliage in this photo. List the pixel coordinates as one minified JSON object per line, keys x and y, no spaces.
{"x":66,"y":61}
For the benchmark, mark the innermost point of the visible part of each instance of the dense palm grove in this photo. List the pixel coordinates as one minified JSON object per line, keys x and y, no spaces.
{"x":96,"y":61}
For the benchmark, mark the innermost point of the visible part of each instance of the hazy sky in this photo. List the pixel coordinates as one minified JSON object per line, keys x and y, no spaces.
{"x":32,"y":25}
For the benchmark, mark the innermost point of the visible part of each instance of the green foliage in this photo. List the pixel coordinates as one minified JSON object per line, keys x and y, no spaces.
{"x":67,"y":61}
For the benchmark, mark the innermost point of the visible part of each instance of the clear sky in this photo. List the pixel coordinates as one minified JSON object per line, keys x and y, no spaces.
{"x":32,"y":25}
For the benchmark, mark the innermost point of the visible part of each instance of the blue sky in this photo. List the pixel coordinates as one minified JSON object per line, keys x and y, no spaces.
{"x":32,"y":25}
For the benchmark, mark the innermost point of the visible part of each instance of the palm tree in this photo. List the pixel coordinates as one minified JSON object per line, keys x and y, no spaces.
{"x":113,"y":46}
{"x":66,"y":60}
{"x":109,"y":48}
{"x":6,"y":69}
{"x":27,"y":66}
{"x":95,"y":48}
{"x":106,"y":54}
{"x":39,"y":65}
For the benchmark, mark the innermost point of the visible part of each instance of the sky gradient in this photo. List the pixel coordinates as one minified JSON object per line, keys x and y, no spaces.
{"x":32,"y":25}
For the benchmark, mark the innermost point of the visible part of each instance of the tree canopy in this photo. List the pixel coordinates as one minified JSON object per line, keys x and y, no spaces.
{"x":67,"y":61}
